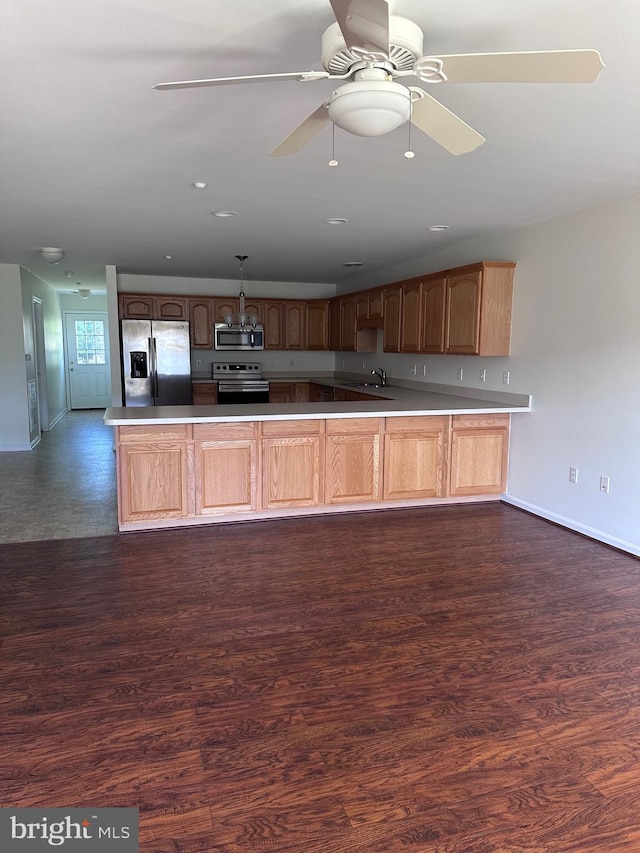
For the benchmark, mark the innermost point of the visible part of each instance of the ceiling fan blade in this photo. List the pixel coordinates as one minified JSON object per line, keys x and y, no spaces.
{"x":364,"y":23}
{"x":303,"y":133}
{"x":250,"y":78}
{"x":550,"y":66}
{"x":443,"y":126}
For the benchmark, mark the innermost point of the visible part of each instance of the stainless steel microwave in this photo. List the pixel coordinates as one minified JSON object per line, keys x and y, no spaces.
{"x":238,"y":337}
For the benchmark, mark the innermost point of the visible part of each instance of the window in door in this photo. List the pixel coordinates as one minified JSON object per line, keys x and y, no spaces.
{"x":90,"y":347}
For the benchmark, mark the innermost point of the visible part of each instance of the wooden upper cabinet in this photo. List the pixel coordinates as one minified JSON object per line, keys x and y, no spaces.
{"x":376,"y":305}
{"x":318,"y":324}
{"x":411,"y":325}
{"x":478,"y":310}
{"x":170,"y":308}
{"x":136,"y":307}
{"x":222,"y":307}
{"x":348,"y":323}
{"x":201,"y":323}
{"x":335,"y":320}
{"x":392,"y":318}
{"x":433,"y":315}
{"x":273,"y":320}
{"x":295,"y":325}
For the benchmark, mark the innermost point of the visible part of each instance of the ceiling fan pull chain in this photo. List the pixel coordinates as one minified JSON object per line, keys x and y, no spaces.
{"x":333,"y":161}
{"x":409,"y":154}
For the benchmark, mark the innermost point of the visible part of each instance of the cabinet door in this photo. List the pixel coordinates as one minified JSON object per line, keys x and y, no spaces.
{"x":392,"y":318}
{"x":280,"y":392}
{"x":433,"y":316}
{"x":479,"y":454}
{"x":362,"y":306}
{"x":226,"y":476}
{"x":321,"y":393}
{"x":170,"y":308}
{"x":204,"y":393}
{"x":411,"y":316}
{"x":463,"y":313}
{"x":292,"y":475}
{"x":300,"y":392}
{"x":352,"y":460}
{"x":295,"y":325}
{"x":222,"y":308}
{"x":132,"y":307}
{"x":273,"y":319}
{"x":318,"y":325}
{"x":415,"y":457}
{"x":348,"y":324}
{"x":201,"y":323}
{"x":335,"y":317}
{"x":152,"y":481}
{"x":376,"y":305}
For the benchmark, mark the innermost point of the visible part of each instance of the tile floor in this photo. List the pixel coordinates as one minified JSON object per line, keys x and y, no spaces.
{"x":65,"y":488}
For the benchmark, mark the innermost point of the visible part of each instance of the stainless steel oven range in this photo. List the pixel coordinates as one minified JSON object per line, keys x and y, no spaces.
{"x":240,"y":383}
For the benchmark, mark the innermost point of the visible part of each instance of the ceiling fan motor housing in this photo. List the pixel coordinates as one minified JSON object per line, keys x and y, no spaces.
{"x":405,"y":46}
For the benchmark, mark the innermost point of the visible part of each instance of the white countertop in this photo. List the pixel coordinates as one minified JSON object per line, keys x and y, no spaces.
{"x":395,"y":401}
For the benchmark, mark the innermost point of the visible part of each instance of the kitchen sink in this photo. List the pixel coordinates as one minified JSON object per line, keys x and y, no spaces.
{"x":363,"y":385}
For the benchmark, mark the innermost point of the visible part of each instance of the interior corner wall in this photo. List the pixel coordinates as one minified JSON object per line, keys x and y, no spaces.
{"x":576,"y":349}
{"x":14,"y":413}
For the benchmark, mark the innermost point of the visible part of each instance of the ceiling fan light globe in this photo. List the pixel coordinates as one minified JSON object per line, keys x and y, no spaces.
{"x":369,"y":107}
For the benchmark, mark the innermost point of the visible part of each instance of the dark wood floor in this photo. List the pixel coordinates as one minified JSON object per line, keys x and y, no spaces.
{"x":455,"y":679}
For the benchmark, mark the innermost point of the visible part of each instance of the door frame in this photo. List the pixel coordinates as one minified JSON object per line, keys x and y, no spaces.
{"x":40,"y":366}
{"x":98,"y":315}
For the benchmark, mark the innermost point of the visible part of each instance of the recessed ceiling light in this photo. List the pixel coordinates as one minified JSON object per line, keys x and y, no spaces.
{"x":224,"y":214}
{"x":438,"y":228}
{"x":336,"y":220}
{"x":199,"y":185}
{"x":168,"y":257}
{"x":352,"y":264}
{"x":69,"y":273}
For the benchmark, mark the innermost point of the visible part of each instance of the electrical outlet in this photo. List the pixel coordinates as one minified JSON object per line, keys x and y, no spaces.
{"x":198,"y":362}
{"x":424,"y":369}
{"x":414,"y":369}
{"x":483,"y":375}
{"x":573,"y":475}
{"x":343,"y":362}
{"x":604,"y":484}
{"x":460,"y":372}
{"x":364,"y":364}
{"x":506,"y":377}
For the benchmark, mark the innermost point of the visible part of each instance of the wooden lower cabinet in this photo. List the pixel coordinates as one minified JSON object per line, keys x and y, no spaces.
{"x":292,"y":470}
{"x":154,"y":475}
{"x":479,"y":454}
{"x":352,"y":460}
{"x":226,"y":468}
{"x":179,"y":473}
{"x":415,"y":457}
{"x":204,"y":393}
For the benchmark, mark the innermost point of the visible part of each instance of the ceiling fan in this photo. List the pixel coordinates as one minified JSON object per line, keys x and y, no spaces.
{"x":372,"y":48}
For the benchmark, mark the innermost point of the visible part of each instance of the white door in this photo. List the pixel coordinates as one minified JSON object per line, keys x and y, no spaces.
{"x":88,"y":360}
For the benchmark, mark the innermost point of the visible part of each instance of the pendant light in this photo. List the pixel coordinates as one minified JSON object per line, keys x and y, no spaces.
{"x":241,"y":318}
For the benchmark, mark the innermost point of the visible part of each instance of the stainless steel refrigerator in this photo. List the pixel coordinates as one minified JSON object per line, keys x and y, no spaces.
{"x":156,"y":362}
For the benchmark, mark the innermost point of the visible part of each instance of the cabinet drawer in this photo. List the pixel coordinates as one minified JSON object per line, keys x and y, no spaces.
{"x":224,"y":431}
{"x":349,"y":426}
{"x":480,"y":421}
{"x":285,"y":428}
{"x":149,"y":432}
{"x":416,"y":423}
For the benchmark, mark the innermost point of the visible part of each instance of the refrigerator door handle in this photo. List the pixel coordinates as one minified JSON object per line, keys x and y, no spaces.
{"x":154,"y":368}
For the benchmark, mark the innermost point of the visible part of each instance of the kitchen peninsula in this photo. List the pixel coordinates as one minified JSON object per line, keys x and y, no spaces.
{"x":188,"y":465}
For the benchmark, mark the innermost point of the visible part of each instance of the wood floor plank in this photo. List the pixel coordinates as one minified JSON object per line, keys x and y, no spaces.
{"x":450,"y":680}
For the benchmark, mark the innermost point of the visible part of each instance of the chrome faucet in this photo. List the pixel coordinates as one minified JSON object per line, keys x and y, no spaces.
{"x":381,"y":374}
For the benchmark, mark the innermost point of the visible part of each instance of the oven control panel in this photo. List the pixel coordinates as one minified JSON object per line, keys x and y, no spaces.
{"x":236,"y":370}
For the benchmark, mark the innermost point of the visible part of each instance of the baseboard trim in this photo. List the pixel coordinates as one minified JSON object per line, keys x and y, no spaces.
{"x":592,"y":533}
{"x":57,"y":420}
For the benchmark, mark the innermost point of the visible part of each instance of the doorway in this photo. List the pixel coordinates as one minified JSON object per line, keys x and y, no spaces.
{"x":87,"y":360}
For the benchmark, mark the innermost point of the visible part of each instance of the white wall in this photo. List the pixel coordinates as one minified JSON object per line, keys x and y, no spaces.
{"x":576,"y":349}
{"x":128,"y":283}
{"x":14,"y":416}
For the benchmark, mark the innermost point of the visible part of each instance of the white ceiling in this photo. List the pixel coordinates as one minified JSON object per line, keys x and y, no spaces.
{"x":95,"y":161}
